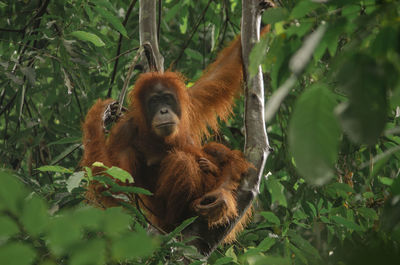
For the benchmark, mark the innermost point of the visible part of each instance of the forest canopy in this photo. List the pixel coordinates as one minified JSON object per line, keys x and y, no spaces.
{"x":330,"y":191}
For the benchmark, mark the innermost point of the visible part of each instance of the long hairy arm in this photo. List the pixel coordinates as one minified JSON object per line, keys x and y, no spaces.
{"x":213,"y":94}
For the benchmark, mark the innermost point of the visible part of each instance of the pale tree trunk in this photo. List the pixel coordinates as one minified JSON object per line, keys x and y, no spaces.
{"x":148,"y":31}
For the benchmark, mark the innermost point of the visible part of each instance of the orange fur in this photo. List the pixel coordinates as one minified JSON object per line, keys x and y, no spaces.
{"x":169,"y":167}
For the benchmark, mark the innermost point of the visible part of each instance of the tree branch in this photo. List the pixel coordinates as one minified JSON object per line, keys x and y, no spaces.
{"x":186,"y":43}
{"x":128,"y":12}
{"x":148,"y":31}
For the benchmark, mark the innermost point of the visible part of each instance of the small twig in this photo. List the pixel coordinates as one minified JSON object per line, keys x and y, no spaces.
{"x":128,"y":12}
{"x":121,"y":96}
{"x":186,"y":44}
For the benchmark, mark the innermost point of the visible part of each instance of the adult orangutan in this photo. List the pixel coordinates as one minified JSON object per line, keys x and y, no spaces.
{"x":159,"y":141}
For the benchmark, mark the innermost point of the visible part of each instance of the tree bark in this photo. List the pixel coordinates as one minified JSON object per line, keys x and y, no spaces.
{"x":148,"y":31}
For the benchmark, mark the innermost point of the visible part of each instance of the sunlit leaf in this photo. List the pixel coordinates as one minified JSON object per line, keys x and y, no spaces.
{"x":120,"y":174}
{"x":59,"y":169}
{"x":87,"y":36}
{"x":74,"y":180}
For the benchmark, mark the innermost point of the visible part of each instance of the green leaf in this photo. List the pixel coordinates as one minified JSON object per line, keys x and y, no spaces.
{"x":89,"y":217}
{"x":223,"y":260}
{"x":120,"y":174}
{"x":112,"y":19}
{"x":99,"y":164}
{"x":303,"y":8}
{"x":314,"y":134}
{"x":129,"y":189}
{"x":266,"y":244}
{"x":8,"y":227}
{"x":368,"y":213}
{"x":16,"y":254}
{"x":346,"y":223}
{"x":87,"y":36}
{"x":116,"y":221}
{"x":304,"y":245}
{"x":180,"y":228}
{"x":90,"y":252}
{"x":257,"y":55}
{"x":54,"y":169}
{"x":63,"y":233}
{"x":271,"y":217}
{"x":363,"y":117}
{"x":74,"y":180}
{"x":386,"y":181}
{"x":132,"y":245}
{"x":194,"y":54}
{"x":298,"y":253}
{"x":276,"y":190}
{"x":12,"y":192}
{"x":35,"y":217}
{"x":273,"y":15}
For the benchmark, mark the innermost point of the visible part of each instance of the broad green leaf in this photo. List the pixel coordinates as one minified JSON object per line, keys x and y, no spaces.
{"x":130,"y":189}
{"x":98,"y":164}
{"x":194,"y":54}
{"x":63,"y":233}
{"x":35,"y":217}
{"x":257,"y":55}
{"x":132,"y":245}
{"x":112,"y":19}
{"x":16,"y":254}
{"x":90,"y":252}
{"x":271,"y":217}
{"x":120,"y":174}
{"x":116,"y":221}
{"x":273,"y":15}
{"x":266,"y":244}
{"x":303,"y":8}
{"x":180,"y":228}
{"x":363,"y":116}
{"x":346,"y":223}
{"x":298,"y":253}
{"x":87,"y":36}
{"x":89,"y":217}
{"x":54,"y":169}
{"x":314,"y":134}
{"x":368,"y":213}
{"x":223,"y":260}
{"x":172,"y":12}
{"x":8,"y":227}
{"x":386,"y":181}
{"x":276,"y":190}
{"x":385,"y":41}
{"x":74,"y":180}
{"x":12,"y":192}
{"x":303,"y":245}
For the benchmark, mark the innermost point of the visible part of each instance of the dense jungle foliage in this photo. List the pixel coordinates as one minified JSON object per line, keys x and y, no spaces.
{"x":331,"y":191}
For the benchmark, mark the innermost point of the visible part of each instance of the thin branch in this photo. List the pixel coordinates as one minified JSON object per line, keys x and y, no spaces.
{"x":194,"y":30}
{"x":130,"y":8}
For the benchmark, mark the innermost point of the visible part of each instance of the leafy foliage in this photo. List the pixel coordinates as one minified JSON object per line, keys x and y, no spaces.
{"x":331,"y":185}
